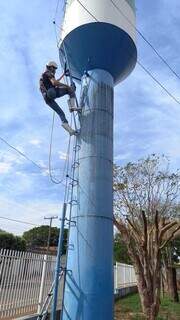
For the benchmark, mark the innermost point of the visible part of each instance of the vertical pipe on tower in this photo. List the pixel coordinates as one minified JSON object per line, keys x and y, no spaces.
{"x":89,"y":278}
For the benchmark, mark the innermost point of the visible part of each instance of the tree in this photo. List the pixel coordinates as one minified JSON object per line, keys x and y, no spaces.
{"x":38,"y":236}
{"x":9,"y":241}
{"x":146,"y":201}
{"x":120,"y":250}
{"x":170,"y":256}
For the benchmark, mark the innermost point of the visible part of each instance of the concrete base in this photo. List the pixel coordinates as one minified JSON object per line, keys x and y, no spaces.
{"x":34,"y":316}
{"x":123,"y":292}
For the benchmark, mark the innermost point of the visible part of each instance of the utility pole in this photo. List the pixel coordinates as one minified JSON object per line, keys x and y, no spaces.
{"x":50,"y":226}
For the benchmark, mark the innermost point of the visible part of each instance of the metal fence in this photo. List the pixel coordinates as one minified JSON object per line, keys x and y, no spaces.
{"x":124,"y":276}
{"x":25,"y":279}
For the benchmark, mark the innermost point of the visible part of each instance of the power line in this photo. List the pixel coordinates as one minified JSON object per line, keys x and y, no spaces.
{"x":159,"y":83}
{"x":147,"y":71}
{"x":145,"y":39}
{"x":26,"y":157}
{"x":56,"y":10}
{"x":12,"y":203}
{"x":88,"y":11}
{"x":22,"y":154}
{"x":19,"y":221}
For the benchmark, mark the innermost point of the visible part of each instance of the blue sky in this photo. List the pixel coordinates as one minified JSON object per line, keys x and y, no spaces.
{"x":146,"y":118}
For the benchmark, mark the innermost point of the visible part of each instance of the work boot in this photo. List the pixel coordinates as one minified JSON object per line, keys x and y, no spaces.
{"x":71,"y":131}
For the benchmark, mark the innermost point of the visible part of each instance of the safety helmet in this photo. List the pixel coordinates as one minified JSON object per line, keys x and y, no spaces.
{"x":52,"y":64}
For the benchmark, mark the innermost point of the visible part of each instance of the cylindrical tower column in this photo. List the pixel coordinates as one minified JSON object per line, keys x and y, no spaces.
{"x":100,"y":37}
{"x":89,"y":279}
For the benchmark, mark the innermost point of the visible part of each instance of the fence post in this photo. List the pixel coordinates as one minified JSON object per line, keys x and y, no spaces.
{"x":116,"y":276}
{"x":124,"y":275}
{"x":42,"y":284}
{"x":131,"y":276}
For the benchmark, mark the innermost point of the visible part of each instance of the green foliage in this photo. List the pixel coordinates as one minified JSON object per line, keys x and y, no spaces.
{"x":9,"y":241}
{"x":171,"y":308}
{"x":37,"y":237}
{"x":120,"y":250}
{"x":131,"y":305}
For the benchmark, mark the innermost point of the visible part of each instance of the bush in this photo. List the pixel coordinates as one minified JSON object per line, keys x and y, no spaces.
{"x":9,"y":241}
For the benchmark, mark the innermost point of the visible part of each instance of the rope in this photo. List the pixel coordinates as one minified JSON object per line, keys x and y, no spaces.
{"x":55,"y":24}
{"x":53,"y":179}
{"x":71,"y":80}
{"x":67,"y":193}
{"x":56,"y":11}
{"x":58,"y":262}
{"x":69,"y":200}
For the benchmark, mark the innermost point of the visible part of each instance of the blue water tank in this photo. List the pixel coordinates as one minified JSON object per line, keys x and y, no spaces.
{"x":100,"y":35}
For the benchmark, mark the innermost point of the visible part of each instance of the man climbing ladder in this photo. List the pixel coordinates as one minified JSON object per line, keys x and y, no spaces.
{"x":51,"y":88}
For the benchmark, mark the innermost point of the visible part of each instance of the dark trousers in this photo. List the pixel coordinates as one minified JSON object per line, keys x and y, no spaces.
{"x":54,"y":93}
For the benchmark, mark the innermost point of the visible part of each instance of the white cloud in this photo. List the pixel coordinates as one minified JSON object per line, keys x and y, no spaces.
{"x":27,"y":211}
{"x":122,"y":157}
{"x":62,"y":155}
{"x":11,"y":158}
{"x":9,"y":161}
{"x":35,"y":142}
{"x":5,"y":167}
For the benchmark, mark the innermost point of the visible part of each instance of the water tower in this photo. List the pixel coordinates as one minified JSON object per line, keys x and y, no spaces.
{"x":96,"y":38}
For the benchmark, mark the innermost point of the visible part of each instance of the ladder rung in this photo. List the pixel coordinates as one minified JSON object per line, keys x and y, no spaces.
{"x":77,"y":147}
{"x":73,"y":202}
{"x":75,"y":165}
{"x":75,"y":180}
{"x":70,"y":247}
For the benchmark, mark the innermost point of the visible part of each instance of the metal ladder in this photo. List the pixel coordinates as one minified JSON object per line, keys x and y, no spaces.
{"x":60,"y":272}
{"x":44,"y":310}
{"x":73,"y":182}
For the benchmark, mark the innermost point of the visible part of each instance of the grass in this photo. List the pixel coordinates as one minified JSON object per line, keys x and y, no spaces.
{"x":129,"y":308}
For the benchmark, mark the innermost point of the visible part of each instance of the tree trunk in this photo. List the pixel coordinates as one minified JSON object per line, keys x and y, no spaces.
{"x":149,"y":301}
{"x":176,"y":296}
{"x":152,"y":315}
{"x":149,"y":295}
{"x":172,"y":284}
